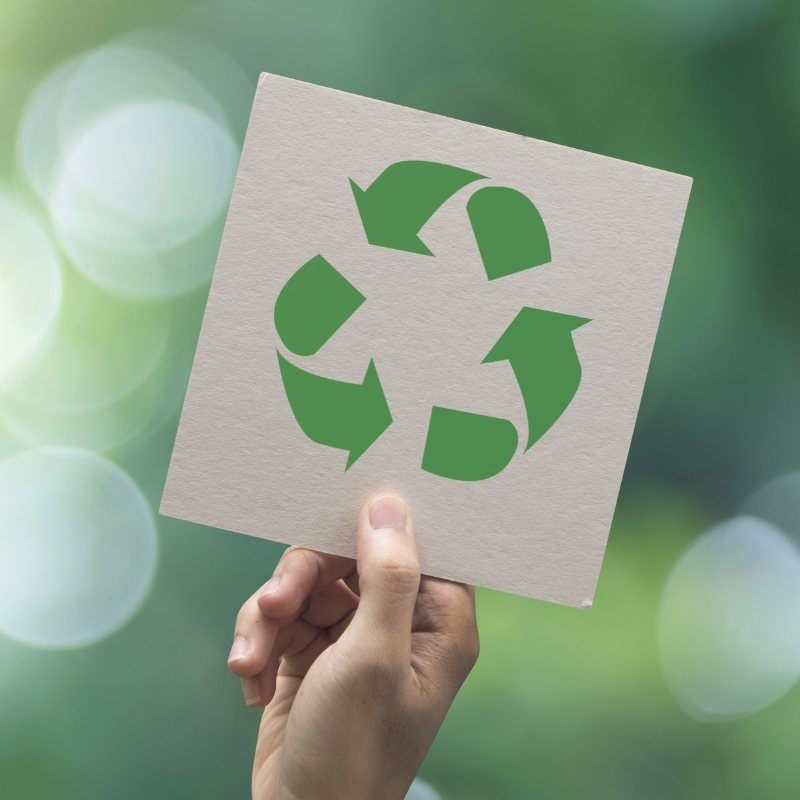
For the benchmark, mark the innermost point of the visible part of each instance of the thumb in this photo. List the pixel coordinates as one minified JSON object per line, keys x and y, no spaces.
{"x":388,"y":576}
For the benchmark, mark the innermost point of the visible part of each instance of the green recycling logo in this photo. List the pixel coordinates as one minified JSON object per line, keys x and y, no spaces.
{"x":317,"y":300}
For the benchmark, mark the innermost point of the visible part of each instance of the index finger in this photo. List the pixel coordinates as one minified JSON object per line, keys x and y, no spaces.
{"x":299,"y":573}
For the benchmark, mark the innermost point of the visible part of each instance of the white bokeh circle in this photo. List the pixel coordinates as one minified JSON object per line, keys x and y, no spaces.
{"x":729,"y":621}
{"x":217,"y":71}
{"x":134,"y":156}
{"x":30,"y":288}
{"x":146,"y":176}
{"x":38,"y":151}
{"x":101,"y":350}
{"x":79,"y":547}
{"x":419,"y":790}
{"x":110,"y":426}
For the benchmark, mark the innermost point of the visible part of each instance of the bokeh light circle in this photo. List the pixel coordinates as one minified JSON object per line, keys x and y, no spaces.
{"x":102,"y":429}
{"x":15,"y":88}
{"x":134,"y":156}
{"x":122,"y":72}
{"x":79,"y":547}
{"x":419,"y":790}
{"x":38,"y":151}
{"x":217,"y":71}
{"x":30,"y":288}
{"x":729,"y":621}
{"x":107,"y":427}
{"x":102,"y":349}
{"x":778,"y":502}
{"x":162,"y":169}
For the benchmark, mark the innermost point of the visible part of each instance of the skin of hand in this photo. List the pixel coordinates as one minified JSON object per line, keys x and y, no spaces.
{"x":356,"y":662}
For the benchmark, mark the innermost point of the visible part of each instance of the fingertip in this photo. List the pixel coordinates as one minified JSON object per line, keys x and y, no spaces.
{"x":239,"y":657}
{"x":387,"y":510}
{"x":243,"y":667}
{"x":388,"y":572}
{"x":280,"y":597}
{"x":252,"y":648}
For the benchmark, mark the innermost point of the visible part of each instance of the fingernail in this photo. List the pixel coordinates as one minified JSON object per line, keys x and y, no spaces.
{"x":239,"y":650}
{"x":271,"y":586}
{"x":252,"y":691}
{"x":388,"y":511}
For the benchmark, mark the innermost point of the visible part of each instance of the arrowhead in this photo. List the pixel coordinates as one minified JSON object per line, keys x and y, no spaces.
{"x":528,"y":328}
{"x":375,"y":416}
{"x":538,"y":344}
{"x":381,"y":226}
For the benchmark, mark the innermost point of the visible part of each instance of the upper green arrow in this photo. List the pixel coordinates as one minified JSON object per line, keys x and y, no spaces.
{"x":539,"y":346}
{"x":403,"y":198}
{"x":509,"y":231}
{"x":348,"y":416}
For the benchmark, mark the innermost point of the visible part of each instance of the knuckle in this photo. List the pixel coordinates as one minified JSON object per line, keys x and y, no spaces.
{"x":398,"y":576}
{"x":308,"y":560}
{"x":300,"y":562}
{"x":248,"y":616}
{"x":297,"y":553}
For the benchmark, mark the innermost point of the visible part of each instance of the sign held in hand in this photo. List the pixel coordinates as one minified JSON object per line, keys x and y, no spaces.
{"x":413,"y":303}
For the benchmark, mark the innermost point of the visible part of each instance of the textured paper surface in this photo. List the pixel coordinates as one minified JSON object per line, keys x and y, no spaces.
{"x":539,"y":528}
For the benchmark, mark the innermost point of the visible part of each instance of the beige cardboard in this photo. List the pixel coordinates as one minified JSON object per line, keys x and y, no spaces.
{"x":539,"y":528}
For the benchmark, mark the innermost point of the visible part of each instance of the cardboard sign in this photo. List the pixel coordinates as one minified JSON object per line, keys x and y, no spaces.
{"x":413,"y":303}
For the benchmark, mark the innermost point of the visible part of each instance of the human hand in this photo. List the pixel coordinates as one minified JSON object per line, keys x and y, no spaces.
{"x":357,"y":663}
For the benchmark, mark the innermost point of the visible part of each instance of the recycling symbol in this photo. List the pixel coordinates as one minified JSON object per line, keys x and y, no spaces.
{"x":317,"y":300}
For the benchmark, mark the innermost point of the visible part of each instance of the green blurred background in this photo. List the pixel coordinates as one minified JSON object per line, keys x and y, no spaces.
{"x":119,"y":134}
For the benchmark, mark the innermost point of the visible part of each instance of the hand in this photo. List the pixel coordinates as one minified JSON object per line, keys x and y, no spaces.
{"x":357,"y":663}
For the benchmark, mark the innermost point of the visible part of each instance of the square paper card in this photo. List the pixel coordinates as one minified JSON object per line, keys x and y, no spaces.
{"x":413,"y":303}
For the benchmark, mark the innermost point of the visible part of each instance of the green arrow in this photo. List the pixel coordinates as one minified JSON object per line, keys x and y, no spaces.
{"x":467,"y":447}
{"x":313,"y":304}
{"x":403,"y":198}
{"x":539,"y":346}
{"x":509,"y":231}
{"x":347,"y":416}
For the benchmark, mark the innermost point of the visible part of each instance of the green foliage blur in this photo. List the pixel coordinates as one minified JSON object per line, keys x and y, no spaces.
{"x":562,"y":704}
